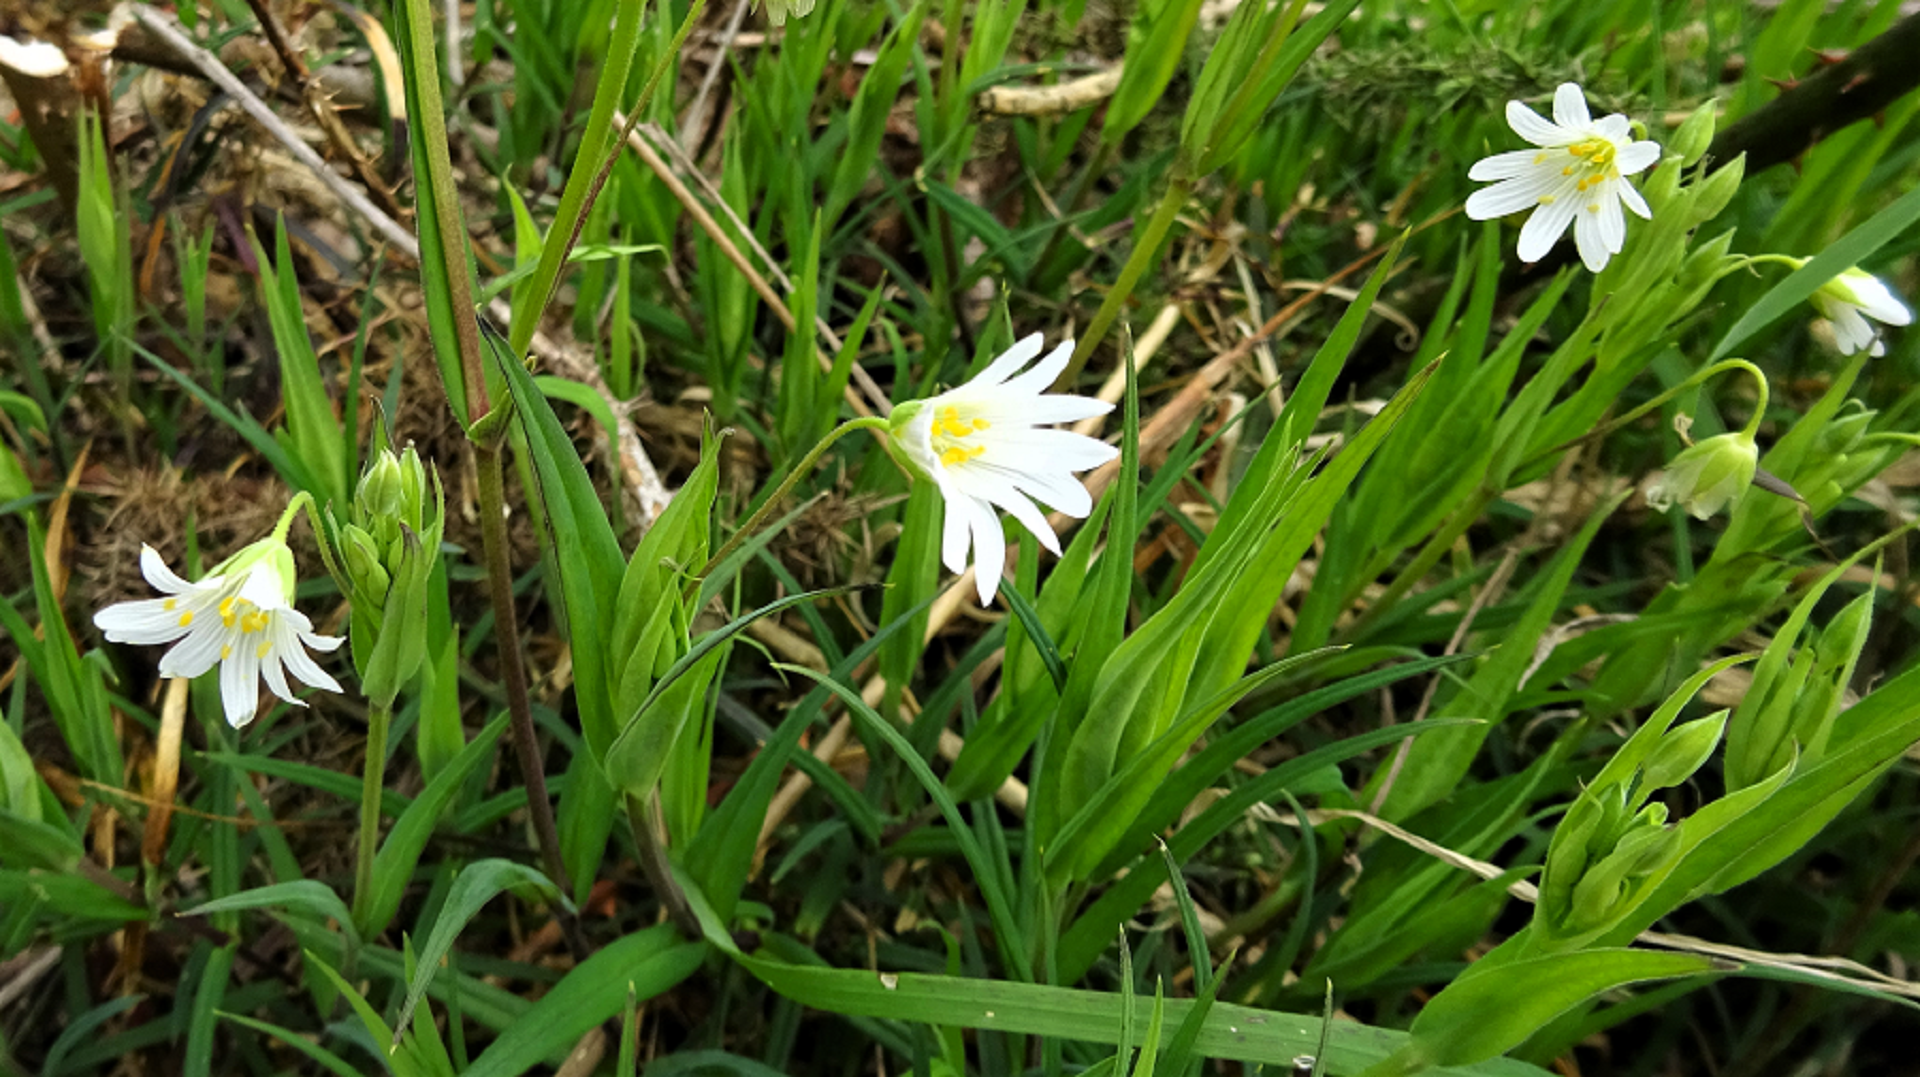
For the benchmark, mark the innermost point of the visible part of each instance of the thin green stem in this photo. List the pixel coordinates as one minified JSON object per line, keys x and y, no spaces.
{"x":446,"y":209}
{"x":379,"y":717}
{"x":1138,"y":262}
{"x":1753,"y":421}
{"x":804,"y":467}
{"x":301,"y":500}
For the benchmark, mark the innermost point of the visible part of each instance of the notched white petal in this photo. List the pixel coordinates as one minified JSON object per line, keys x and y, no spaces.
{"x":1529,"y":125}
{"x":1570,"y":106}
{"x":148,"y":621}
{"x":1636,"y":157}
{"x":1504,"y":165}
{"x":158,"y":574}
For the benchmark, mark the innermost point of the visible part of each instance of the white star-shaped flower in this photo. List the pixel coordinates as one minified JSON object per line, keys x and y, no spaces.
{"x":986,"y":444}
{"x":1848,"y":300}
{"x":1576,"y":176}
{"x":240,"y":616}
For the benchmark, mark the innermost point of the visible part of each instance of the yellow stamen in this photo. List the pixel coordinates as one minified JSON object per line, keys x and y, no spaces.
{"x":186,"y":618}
{"x":955,"y":455}
{"x":1539,"y":157}
{"x":1546,"y":200}
{"x":253,"y":622}
{"x":1567,"y":171}
{"x":1593,"y":207}
{"x":169,"y":604}
{"x":261,"y":651}
{"x":981,"y":424}
{"x":226,"y":652}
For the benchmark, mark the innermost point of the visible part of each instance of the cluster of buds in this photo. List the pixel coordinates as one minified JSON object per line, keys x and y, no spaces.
{"x":1789,"y":711}
{"x":387,"y":550}
{"x":1614,"y":845}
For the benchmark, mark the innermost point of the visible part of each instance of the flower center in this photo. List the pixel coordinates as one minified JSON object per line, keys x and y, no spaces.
{"x":1593,"y":162}
{"x":949,"y":434}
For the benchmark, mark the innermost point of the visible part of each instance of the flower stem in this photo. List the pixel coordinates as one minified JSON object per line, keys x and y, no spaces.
{"x":513,"y":672}
{"x":379,"y":717}
{"x":301,"y":500}
{"x":1753,"y":421}
{"x":804,"y":467}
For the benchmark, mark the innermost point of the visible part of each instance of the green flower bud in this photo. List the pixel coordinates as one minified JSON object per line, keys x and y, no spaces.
{"x":1663,"y":186}
{"x":1844,"y":637}
{"x":1704,"y":265}
{"x":1714,"y":192}
{"x":413,"y":489}
{"x":1605,"y":891}
{"x":1706,"y":477}
{"x":1843,"y":432}
{"x":380,"y":489}
{"x":1682,"y":751}
{"x":1695,"y":135}
{"x":365,"y":570}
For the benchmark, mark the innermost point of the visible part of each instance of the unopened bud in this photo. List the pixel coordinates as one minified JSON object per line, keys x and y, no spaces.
{"x":1695,"y":135}
{"x":1682,"y":751}
{"x":413,"y":489}
{"x":1705,"y":477}
{"x":380,"y":488}
{"x":370,"y":578}
{"x":1714,"y":192}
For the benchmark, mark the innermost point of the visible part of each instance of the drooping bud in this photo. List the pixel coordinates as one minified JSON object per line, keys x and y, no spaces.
{"x":1704,"y":478}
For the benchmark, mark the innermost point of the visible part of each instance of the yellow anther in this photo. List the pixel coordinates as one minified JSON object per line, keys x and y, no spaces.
{"x":1593,"y":207}
{"x":186,"y":618}
{"x":1540,"y":157}
{"x":261,"y":651}
{"x":981,"y":424}
{"x":1567,"y":171}
{"x":1546,"y":200}
{"x":955,"y":455}
{"x":169,"y":604}
{"x":226,"y":652}
{"x":253,"y":622}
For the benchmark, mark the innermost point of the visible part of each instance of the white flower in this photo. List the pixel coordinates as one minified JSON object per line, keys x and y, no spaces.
{"x":984,"y":444}
{"x":1575,"y":177}
{"x":1848,"y":300}
{"x":240,"y":616}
